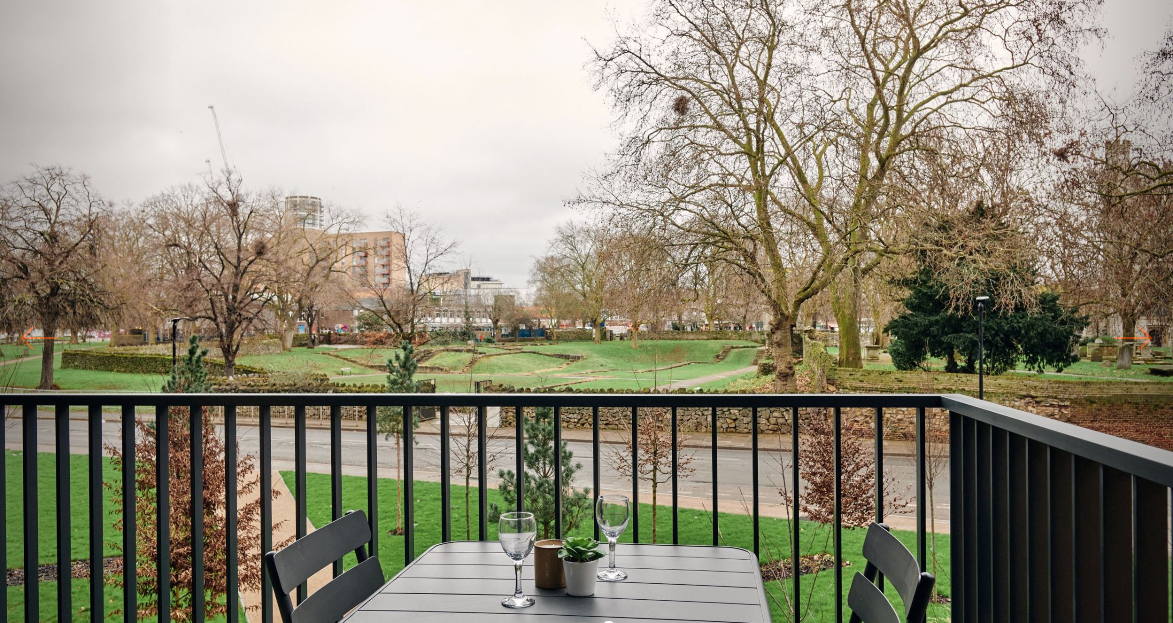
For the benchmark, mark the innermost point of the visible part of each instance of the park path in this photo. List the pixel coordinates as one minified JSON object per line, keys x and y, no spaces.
{"x":285,"y":518}
{"x":18,"y":360}
{"x":701,"y":380}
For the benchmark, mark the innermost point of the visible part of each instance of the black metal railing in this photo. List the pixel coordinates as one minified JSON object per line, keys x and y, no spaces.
{"x":1048,"y":521}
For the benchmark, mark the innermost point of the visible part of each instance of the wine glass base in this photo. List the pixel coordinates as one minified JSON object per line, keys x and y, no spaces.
{"x":611,"y":575}
{"x":517,"y":602}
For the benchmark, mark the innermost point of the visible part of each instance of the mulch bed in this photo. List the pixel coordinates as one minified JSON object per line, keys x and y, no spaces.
{"x":78,"y":569}
{"x":811,"y":563}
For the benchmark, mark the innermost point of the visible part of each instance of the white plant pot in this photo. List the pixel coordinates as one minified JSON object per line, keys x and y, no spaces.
{"x":580,"y":577}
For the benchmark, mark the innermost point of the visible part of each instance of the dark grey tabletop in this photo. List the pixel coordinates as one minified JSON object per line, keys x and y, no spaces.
{"x":465,"y":581}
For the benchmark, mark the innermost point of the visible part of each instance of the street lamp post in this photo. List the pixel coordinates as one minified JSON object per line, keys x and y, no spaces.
{"x":981,"y":302}
{"x":174,"y":326}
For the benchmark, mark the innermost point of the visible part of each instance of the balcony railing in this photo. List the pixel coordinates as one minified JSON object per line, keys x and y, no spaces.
{"x":1048,"y":521}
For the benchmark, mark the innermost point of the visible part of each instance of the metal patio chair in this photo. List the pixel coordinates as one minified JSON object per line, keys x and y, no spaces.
{"x":887,"y":555}
{"x":295,"y":564}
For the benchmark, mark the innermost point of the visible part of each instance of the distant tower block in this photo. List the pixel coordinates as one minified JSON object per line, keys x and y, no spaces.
{"x":307,"y":209}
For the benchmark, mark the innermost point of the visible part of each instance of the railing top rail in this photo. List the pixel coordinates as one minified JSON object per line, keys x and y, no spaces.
{"x":845,"y":401}
{"x":1134,"y":458}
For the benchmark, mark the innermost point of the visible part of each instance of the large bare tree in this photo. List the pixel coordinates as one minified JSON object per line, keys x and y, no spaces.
{"x":768,"y":129}
{"x":216,"y":242}
{"x":578,"y":262}
{"x":51,"y":264}
{"x":641,"y":275}
{"x":403,"y":302}
{"x":305,"y":264}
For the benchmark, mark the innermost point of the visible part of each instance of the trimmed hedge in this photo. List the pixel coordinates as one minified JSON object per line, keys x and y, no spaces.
{"x":137,"y":363}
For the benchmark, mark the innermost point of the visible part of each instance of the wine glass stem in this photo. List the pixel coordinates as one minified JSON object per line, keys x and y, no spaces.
{"x":517,"y":575}
{"x":611,"y":553}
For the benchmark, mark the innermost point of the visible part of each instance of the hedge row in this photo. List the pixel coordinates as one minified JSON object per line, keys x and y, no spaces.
{"x":137,"y":363}
{"x":495,"y":388}
{"x":303,"y":384}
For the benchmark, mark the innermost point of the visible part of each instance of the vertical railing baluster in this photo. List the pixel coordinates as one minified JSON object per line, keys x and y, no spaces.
{"x":129,"y":517}
{"x":163,"y":506}
{"x":675,"y":484}
{"x":482,"y":476}
{"x":973,"y":521}
{"x":837,"y":439}
{"x":97,"y":555}
{"x":64,"y":530}
{"x":1038,"y":530}
{"x":1019,"y":473}
{"x":878,"y":419}
{"x":1150,"y":570}
{"x":373,"y":477}
{"x":4,"y":512}
{"x":713,"y":458}
{"x":408,"y":484}
{"x":557,"y":472}
{"x":1062,"y":536}
{"x":985,"y":522}
{"x":445,"y":477}
{"x":753,"y":428}
{"x":922,"y":495}
{"x":1116,"y":543}
{"x":265,"y":422}
{"x":519,"y":457}
{"x":1089,"y":557}
{"x":1000,"y":489}
{"x":635,"y":474}
{"x":230,"y":515}
{"x":794,"y":525}
{"x":196,"y":434}
{"x":595,"y":465}
{"x":336,"y":472}
{"x":31,"y":554}
{"x":299,"y":485}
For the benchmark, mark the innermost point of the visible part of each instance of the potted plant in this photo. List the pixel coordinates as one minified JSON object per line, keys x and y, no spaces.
{"x":580,"y":560}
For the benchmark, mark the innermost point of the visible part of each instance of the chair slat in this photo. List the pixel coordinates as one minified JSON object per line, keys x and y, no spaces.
{"x":331,"y":602}
{"x":868,"y":604}
{"x":893,"y":559}
{"x":306,"y":556}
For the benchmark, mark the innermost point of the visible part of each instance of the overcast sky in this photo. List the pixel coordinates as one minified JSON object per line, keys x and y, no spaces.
{"x":480,"y":115}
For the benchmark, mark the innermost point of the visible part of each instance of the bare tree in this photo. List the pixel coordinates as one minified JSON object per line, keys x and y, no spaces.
{"x":216,"y":242}
{"x":769,"y":132}
{"x":552,"y":295}
{"x":578,"y":261}
{"x":51,"y":266}
{"x":425,"y":253}
{"x":641,"y":274}
{"x":654,"y":463}
{"x":304,"y":265}
{"x":131,"y":273}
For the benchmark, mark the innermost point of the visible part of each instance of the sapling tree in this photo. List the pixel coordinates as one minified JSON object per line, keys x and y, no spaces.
{"x":654,"y":440}
{"x":189,"y":376}
{"x":538,"y":457}
{"x":401,"y":368}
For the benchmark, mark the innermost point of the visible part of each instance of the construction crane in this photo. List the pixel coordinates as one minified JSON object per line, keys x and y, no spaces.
{"x":220,"y":137}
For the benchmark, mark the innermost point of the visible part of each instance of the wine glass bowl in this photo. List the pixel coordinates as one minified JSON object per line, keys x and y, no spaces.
{"x":516,"y":532}
{"x":612,"y":511}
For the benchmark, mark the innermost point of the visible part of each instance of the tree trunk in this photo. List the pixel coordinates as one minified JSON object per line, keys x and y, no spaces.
{"x":287,"y":337}
{"x":468,"y":503}
{"x":845,"y":304}
{"x":113,"y":335}
{"x":73,"y":336}
{"x":47,"y":348}
{"x":655,"y":482}
{"x":783,"y":352}
{"x":150,"y":334}
{"x":596,"y":333}
{"x":635,"y":332}
{"x":398,"y":491}
{"x":1124,"y":352}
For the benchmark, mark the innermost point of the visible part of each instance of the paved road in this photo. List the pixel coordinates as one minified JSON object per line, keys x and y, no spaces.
{"x":735,"y":465}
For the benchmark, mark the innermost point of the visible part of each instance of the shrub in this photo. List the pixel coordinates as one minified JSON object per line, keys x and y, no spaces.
{"x":137,"y":363}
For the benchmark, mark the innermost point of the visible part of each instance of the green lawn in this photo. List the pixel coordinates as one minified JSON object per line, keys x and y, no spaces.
{"x":450,"y":360}
{"x":297,"y":360}
{"x":519,"y":363}
{"x":18,"y":349}
{"x":695,"y":528}
{"x":28,"y":374}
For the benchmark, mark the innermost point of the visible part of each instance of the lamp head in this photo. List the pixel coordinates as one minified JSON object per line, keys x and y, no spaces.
{"x":982,"y":299}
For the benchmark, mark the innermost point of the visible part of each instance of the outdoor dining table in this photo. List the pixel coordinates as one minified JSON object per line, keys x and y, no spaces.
{"x":465,"y":581}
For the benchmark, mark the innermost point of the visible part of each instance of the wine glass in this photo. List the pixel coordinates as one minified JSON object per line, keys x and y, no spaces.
{"x":516,"y":531}
{"x":612,"y":512}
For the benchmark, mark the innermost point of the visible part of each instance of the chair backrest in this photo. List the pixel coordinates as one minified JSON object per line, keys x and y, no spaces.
{"x":887,"y":555}
{"x":868,"y":604}
{"x":295,"y":564}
